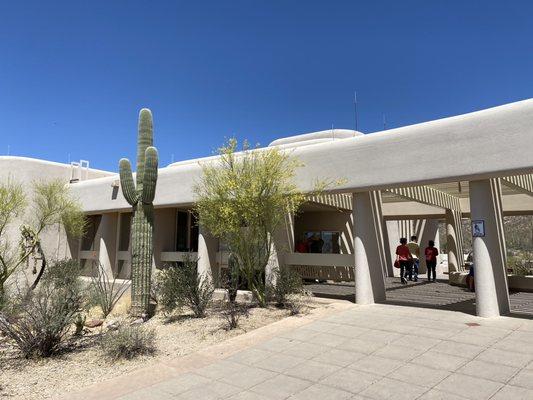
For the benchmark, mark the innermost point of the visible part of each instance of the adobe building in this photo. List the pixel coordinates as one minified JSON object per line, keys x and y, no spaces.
{"x":395,"y":183}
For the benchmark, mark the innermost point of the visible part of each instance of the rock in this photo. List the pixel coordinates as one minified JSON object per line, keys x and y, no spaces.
{"x":93,"y":323}
{"x":138,"y":321}
{"x":112,"y":325}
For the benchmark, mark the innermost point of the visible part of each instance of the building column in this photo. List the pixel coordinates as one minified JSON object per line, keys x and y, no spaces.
{"x":107,"y":250}
{"x":389,"y":262}
{"x":454,"y":241}
{"x":207,"y":252}
{"x":430,"y":232}
{"x":282,"y":243}
{"x":490,"y":276}
{"x":368,"y":248}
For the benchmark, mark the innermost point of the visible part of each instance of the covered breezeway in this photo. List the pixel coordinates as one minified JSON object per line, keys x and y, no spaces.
{"x":439,"y":295}
{"x":373,"y":222}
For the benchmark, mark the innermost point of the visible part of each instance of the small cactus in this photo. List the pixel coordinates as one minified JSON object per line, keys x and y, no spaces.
{"x":141,"y":197}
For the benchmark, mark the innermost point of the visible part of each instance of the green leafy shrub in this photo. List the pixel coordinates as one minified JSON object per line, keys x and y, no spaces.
{"x":288,"y":282}
{"x":128,"y":341}
{"x":64,"y":274}
{"x":181,"y":286}
{"x":38,"y":321}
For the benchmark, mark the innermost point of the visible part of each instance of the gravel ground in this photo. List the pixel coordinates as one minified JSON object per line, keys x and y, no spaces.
{"x":83,"y":364}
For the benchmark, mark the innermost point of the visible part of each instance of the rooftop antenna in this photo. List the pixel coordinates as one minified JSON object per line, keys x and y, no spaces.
{"x":68,"y":158}
{"x":8,"y":149}
{"x":172,"y":158}
{"x":332,"y":132}
{"x":355,"y":109}
{"x":384,"y":123}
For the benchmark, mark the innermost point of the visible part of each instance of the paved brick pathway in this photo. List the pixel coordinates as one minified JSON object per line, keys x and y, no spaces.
{"x":354,"y":352}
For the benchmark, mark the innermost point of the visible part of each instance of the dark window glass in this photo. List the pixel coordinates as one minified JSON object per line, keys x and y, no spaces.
{"x":182,"y":222}
{"x":194,"y":233}
{"x":87,"y":242}
{"x":125,"y":232}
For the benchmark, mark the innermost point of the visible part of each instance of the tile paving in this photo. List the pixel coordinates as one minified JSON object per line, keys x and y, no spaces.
{"x":396,"y":350}
{"x":492,"y":360}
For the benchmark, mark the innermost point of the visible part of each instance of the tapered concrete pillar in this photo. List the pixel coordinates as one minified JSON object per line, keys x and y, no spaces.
{"x":107,"y":250}
{"x":368,"y":248}
{"x":490,"y":277}
{"x":453,"y":241}
{"x":282,"y":243}
{"x":388,"y":265}
{"x":429,"y":232}
{"x":207,"y":252}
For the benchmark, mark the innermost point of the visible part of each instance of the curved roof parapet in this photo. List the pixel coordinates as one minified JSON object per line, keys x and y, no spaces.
{"x":315,"y":137}
{"x":288,"y":142}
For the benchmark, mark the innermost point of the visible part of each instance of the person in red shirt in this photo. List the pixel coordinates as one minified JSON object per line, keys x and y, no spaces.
{"x":431,"y":253}
{"x":405,"y":259}
{"x":302,"y":246}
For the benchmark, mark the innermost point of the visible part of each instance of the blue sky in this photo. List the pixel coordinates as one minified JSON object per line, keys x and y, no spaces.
{"x":73,"y":74}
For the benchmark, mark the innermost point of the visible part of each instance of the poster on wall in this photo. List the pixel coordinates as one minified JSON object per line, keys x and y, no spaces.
{"x":478,"y":228}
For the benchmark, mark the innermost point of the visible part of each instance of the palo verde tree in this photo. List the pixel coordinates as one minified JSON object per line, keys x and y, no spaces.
{"x":49,"y":205}
{"x":140,"y":197}
{"x":243,"y":198}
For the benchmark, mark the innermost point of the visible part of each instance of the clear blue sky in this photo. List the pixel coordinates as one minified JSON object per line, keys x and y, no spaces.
{"x":73,"y":74}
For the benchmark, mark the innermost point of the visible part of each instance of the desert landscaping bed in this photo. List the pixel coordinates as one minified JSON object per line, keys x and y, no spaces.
{"x":83,"y":364}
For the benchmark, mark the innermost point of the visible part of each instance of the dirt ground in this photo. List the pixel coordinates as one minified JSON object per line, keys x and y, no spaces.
{"x":83,"y":363}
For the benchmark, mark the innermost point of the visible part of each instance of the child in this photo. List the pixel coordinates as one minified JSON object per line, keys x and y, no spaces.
{"x":431,"y":253}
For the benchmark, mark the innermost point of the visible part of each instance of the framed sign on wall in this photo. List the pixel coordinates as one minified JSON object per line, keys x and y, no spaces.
{"x":478,"y":228}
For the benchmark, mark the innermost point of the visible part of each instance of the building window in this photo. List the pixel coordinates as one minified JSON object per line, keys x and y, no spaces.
{"x":125,"y":232}
{"x":186,"y":231}
{"x":88,"y":239}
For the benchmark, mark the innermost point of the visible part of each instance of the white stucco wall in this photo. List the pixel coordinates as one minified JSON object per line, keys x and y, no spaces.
{"x":488,"y":143}
{"x":26,"y":171}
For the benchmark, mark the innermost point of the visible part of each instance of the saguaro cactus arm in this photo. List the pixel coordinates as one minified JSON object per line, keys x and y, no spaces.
{"x":126,"y":181}
{"x":145,"y":139}
{"x":150,"y":175}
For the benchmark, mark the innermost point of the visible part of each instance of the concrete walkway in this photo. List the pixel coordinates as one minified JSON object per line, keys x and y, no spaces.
{"x":350,"y":352}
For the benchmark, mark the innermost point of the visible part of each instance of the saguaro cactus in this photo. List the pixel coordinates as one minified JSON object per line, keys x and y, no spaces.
{"x":141,"y":196}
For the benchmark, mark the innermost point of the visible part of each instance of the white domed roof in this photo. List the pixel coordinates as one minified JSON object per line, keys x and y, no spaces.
{"x":316,"y":137}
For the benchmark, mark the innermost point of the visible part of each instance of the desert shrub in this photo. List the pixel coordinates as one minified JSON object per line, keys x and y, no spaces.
{"x":128,"y":341}
{"x":295,"y":303}
{"x":38,"y":321}
{"x":4,"y":300}
{"x":64,"y":274}
{"x":104,"y":291}
{"x":232,"y":312}
{"x":181,"y":286}
{"x":166,"y":282}
{"x":232,"y":278}
{"x":287,"y":282}
{"x":520,"y":268}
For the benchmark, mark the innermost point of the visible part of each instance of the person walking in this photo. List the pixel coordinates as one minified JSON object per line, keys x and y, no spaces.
{"x":405,"y":259}
{"x":431,"y":254}
{"x":414,"y":248}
